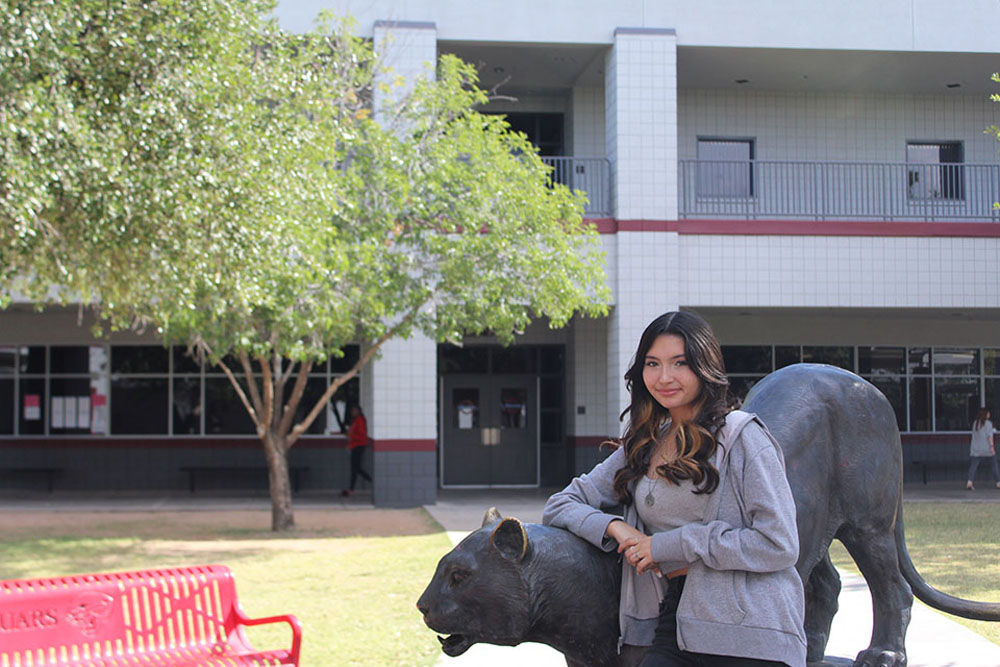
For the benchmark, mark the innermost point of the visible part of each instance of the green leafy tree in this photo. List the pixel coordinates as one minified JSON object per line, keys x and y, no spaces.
{"x":190,"y":168}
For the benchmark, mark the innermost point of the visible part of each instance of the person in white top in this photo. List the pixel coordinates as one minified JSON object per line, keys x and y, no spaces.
{"x":981,"y":448}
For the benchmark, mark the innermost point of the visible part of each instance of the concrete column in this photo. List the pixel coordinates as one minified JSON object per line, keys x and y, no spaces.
{"x":640,"y":79}
{"x":401,"y":386}
{"x":409,"y":50}
{"x":641,"y":131}
{"x":401,"y":396}
{"x":647,"y":287}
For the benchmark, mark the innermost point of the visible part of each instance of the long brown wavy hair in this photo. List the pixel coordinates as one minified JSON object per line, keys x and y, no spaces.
{"x":981,"y":417}
{"x":647,"y":419}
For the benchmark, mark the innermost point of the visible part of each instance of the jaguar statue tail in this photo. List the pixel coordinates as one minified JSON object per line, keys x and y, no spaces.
{"x":980,"y":611}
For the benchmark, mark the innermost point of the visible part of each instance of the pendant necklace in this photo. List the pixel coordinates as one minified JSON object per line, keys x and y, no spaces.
{"x":650,"y":499}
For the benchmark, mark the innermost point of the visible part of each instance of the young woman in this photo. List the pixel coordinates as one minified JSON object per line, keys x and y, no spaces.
{"x":357,"y":442}
{"x":708,"y":537}
{"x":981,"y":449}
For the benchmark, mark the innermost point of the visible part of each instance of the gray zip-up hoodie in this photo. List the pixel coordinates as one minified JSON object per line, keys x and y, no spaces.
{"x":743,"y":596}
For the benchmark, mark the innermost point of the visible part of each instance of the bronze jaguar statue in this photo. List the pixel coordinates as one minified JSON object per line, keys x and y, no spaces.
{"x":508,"y":583}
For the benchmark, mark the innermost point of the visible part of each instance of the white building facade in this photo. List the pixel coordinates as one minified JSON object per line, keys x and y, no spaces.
{"x":814,"y":179}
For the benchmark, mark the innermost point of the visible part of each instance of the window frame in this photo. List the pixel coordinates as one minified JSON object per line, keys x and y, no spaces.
{"x":946,"y":176}
{"x":711,"y":178}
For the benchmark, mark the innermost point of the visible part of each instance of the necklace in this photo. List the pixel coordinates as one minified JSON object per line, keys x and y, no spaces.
{"x":658,"y":458}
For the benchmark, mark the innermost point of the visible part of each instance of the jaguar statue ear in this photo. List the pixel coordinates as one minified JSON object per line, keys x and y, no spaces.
{"x":491,"y":517}
{"x":510,"y":539}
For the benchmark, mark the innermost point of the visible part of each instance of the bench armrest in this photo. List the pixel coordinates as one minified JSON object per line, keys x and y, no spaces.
{"x":292,"y":621}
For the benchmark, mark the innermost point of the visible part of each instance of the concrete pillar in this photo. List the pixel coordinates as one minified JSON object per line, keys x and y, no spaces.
{"x":640,"y":98}
{"x":409,"y":50}
{"x":641,"y":131}
{"x":401,"y":404}
{"x":401,"y":385}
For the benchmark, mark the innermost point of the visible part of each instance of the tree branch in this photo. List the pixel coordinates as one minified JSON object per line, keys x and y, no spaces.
{"x":252,"y":385}
{"x":268,"y":383}
{"x":236,"y":386}
{"x":293,"y":401}
{"x":300,"y":428}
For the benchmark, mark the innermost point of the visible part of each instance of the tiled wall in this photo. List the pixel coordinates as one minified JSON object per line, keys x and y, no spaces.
{"x":586,"y":379}
{"x":822,"y":271}
{"x":404,"y":394}
{"x":410,"y":51}
{"x":401,"y":385}
{"x":585,"y":131}
{"x":641,"y":123}
{"x":837,"y":126}
{"x":405,"y":479}
{"x":647,"y":285}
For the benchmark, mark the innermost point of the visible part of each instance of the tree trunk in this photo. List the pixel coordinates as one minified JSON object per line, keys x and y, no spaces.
{"x":282,"y":516}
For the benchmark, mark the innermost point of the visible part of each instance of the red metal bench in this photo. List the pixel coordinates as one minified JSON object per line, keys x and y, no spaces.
{"x":181,"y":616}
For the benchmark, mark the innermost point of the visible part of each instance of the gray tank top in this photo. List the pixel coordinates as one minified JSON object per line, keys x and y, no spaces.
{"x":663,"y":506}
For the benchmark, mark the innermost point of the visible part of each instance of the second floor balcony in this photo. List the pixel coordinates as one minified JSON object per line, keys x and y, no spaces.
{"x":590,"y":175}
{"x":862,"y":191}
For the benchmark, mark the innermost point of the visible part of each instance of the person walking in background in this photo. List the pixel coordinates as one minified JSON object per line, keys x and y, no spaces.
{"x":981,"y":448}
{"x":357,"y":443}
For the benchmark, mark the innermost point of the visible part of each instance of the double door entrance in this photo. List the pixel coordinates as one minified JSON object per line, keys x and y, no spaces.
{"x":489,"y":430}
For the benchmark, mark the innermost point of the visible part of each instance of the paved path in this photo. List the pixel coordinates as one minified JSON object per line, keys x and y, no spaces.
{"x":933,"y":639}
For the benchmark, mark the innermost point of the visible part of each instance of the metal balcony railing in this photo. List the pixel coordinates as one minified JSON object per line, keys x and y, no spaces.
{"x":771,"y":189}
{"x":591,"y":175}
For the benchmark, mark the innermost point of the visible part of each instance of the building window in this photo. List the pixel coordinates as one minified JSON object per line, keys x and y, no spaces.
{"x":930,"y":389}
{"x":934,"y":170}
{"x":141,"y":390}
{"x":746,"y":365}
{"x":725,"y":168}
{"x":956,"y":388}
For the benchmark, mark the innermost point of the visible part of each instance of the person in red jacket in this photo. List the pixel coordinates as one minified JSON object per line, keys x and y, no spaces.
{"x":357,"y":442}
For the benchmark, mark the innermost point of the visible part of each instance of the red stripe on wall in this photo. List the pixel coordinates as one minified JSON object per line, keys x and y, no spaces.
{"x":949,"y":439}
{"x":394,"y":445}
{"x":838,"y":228}
{"x":647,"y":225}
{"x":160,"y":443}
{"x":802,"y":227}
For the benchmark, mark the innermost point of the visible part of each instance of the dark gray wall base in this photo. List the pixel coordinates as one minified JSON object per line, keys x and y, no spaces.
{"x":405,"y":479}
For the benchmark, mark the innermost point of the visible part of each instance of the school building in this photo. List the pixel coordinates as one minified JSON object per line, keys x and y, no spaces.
{"x":813,"y":178}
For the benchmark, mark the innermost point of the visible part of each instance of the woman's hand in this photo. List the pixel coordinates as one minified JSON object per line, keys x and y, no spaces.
{"x":634,"y":546}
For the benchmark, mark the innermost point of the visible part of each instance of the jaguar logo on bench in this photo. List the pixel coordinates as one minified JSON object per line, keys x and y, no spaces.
{"x":88,"y":610}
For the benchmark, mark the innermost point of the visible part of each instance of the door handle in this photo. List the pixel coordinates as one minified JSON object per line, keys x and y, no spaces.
{"x":490,"y":436}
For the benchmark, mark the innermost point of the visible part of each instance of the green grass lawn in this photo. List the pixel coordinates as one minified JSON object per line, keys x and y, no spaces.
{"x":353,"y":576}
{"x":352,"y":585}
{"x":956,"y":549}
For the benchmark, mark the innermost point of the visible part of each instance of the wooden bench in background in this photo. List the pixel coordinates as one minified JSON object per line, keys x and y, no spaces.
{"x":196,"y":472}
{"x":49,"y":474}
{"x":180,"y":616}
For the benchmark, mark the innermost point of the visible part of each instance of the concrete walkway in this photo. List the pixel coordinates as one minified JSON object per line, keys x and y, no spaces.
{"x":933,"y":639}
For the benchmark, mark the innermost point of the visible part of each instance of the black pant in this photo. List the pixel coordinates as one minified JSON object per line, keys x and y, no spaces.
{"x":988,"y":460}
{"x":357,"y":454}
{"x":666,"y":653}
